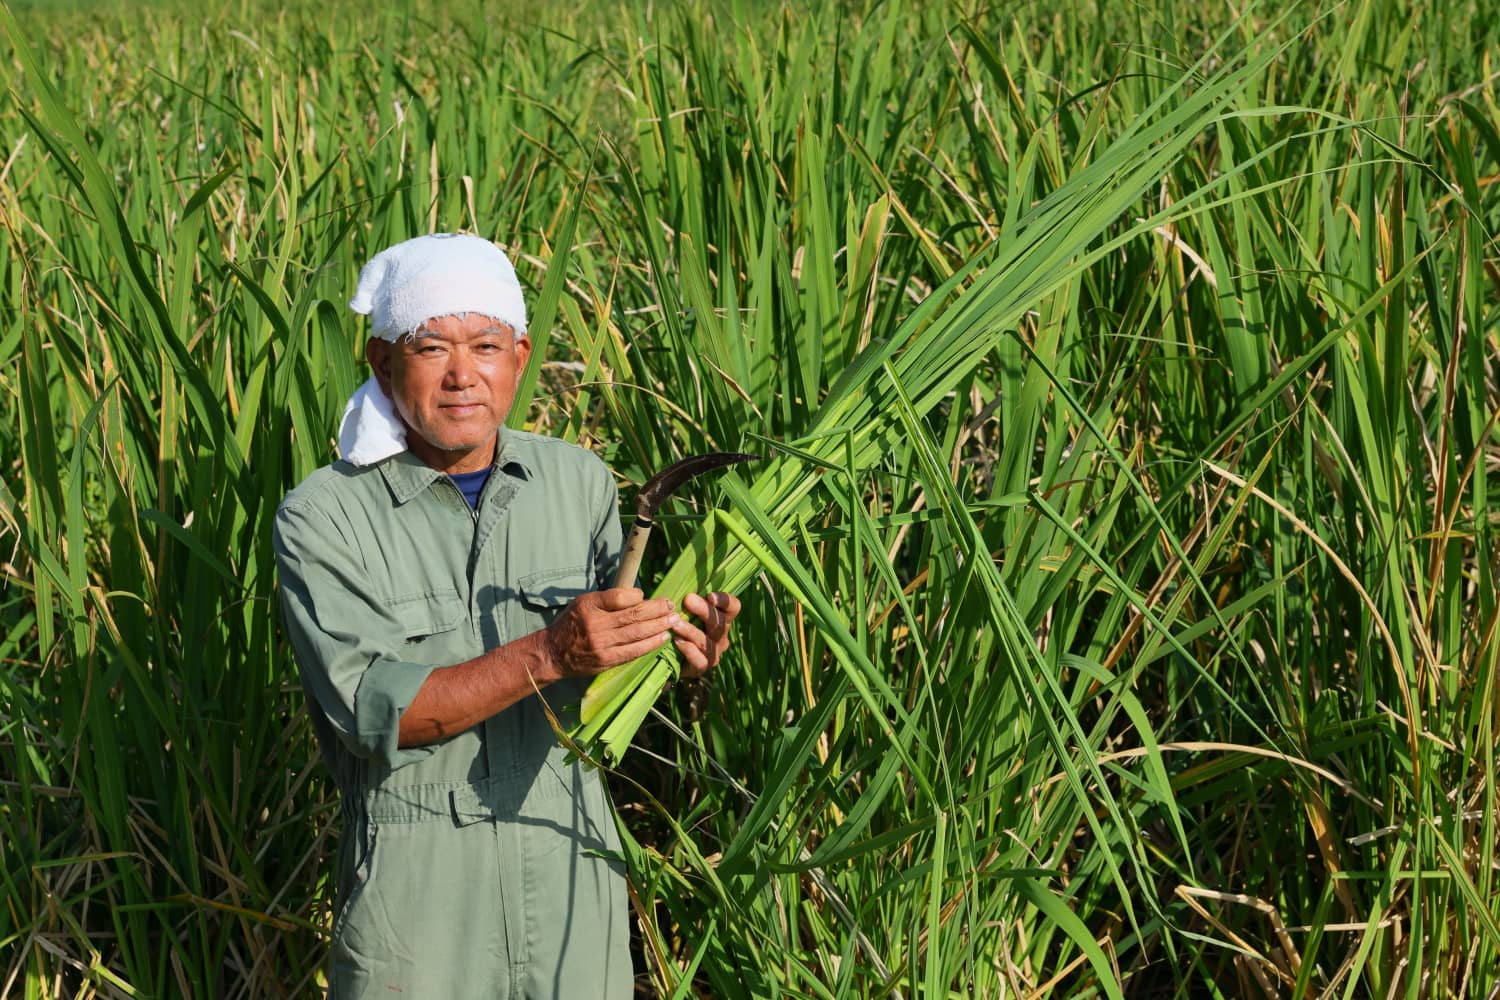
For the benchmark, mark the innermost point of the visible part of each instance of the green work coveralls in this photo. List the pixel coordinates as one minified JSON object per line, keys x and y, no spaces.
{"x":484,"y":865}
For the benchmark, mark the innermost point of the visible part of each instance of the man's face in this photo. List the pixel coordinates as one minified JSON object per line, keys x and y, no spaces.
{"x":453,"y":383}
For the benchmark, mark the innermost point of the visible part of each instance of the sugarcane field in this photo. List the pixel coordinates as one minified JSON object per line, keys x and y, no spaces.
{"x":749,"y":499}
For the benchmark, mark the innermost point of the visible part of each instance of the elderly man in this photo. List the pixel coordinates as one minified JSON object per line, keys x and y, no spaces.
{"x":433,"y":582}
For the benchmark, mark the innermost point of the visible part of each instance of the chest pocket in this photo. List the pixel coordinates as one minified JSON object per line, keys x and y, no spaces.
{"x":430,"y":616}
{"x":545,"y":594}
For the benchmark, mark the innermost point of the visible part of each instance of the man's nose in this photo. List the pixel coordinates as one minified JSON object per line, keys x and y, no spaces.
{"x":461,"y":372}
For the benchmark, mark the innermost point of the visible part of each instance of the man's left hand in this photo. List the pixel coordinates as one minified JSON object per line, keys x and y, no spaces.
{"x":701,"y":647}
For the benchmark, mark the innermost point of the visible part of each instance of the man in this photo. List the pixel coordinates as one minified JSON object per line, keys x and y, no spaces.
{"x":432,"y":583}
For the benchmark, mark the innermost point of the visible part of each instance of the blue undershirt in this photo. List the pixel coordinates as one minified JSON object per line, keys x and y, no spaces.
{"x":471,"y":484}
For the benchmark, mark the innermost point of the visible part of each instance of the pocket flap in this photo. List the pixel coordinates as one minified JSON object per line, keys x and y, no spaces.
{"x":428,"y":614}
{"x":470,"y":806}
{"x":554,"y":588}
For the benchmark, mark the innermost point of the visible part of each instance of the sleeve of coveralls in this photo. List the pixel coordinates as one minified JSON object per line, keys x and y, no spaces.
{"x":346,"y":642}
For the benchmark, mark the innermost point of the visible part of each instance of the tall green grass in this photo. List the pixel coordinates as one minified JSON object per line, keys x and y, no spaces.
{"x":1120,"y":592}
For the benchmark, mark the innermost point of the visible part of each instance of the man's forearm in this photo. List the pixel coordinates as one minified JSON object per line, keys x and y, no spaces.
{"x":455,"y":698}
{"x":597,"y":631}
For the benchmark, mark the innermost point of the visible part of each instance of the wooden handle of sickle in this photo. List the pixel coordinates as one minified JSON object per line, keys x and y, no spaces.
{"x":635,"y":547}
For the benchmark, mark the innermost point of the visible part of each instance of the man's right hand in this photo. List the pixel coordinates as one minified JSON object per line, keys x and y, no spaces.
{"x":607,"y":628}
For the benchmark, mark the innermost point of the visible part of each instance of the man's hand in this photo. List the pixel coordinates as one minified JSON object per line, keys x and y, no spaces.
{"x":701,"y":648}
{"x":607,"y":628}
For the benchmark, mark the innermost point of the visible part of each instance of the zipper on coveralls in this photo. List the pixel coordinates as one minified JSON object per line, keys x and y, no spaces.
{"x":463,"y":501}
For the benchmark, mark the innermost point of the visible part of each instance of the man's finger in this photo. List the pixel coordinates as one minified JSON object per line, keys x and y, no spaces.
{"x":695,"y":663}
{"x":626,"y":605}
{"x":652,"y":610}
{"x":727,"y":603}
{"x":700,"y":607}
{"x":636,"y":631}
{"x":718,"y":601}
{"x":686,"y":631}
{"x":699,"y":647}
{"x":618,"y":598}
{"x":644,"y":611}
{"x":634,"y":650}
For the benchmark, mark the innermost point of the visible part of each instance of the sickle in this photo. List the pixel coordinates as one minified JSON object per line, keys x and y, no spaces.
{"x":654,"y":493}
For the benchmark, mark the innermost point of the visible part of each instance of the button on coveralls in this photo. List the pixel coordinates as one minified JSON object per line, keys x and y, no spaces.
{"x":483,"y":865}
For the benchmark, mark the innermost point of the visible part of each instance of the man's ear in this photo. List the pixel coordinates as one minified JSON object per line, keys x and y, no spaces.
{"x":378,"y":354}
{"x":523,"y":354}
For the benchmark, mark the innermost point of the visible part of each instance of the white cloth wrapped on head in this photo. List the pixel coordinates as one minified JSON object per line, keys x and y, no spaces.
{"x":370,"y":430}
{"x":440,"y":275}
{"x":400,"y":289}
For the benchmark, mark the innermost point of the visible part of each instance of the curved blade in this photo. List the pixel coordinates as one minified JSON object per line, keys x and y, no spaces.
{"x":665,"y":482}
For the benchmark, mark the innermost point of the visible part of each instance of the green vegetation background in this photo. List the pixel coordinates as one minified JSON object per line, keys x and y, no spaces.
{"x":1121,"y":610}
